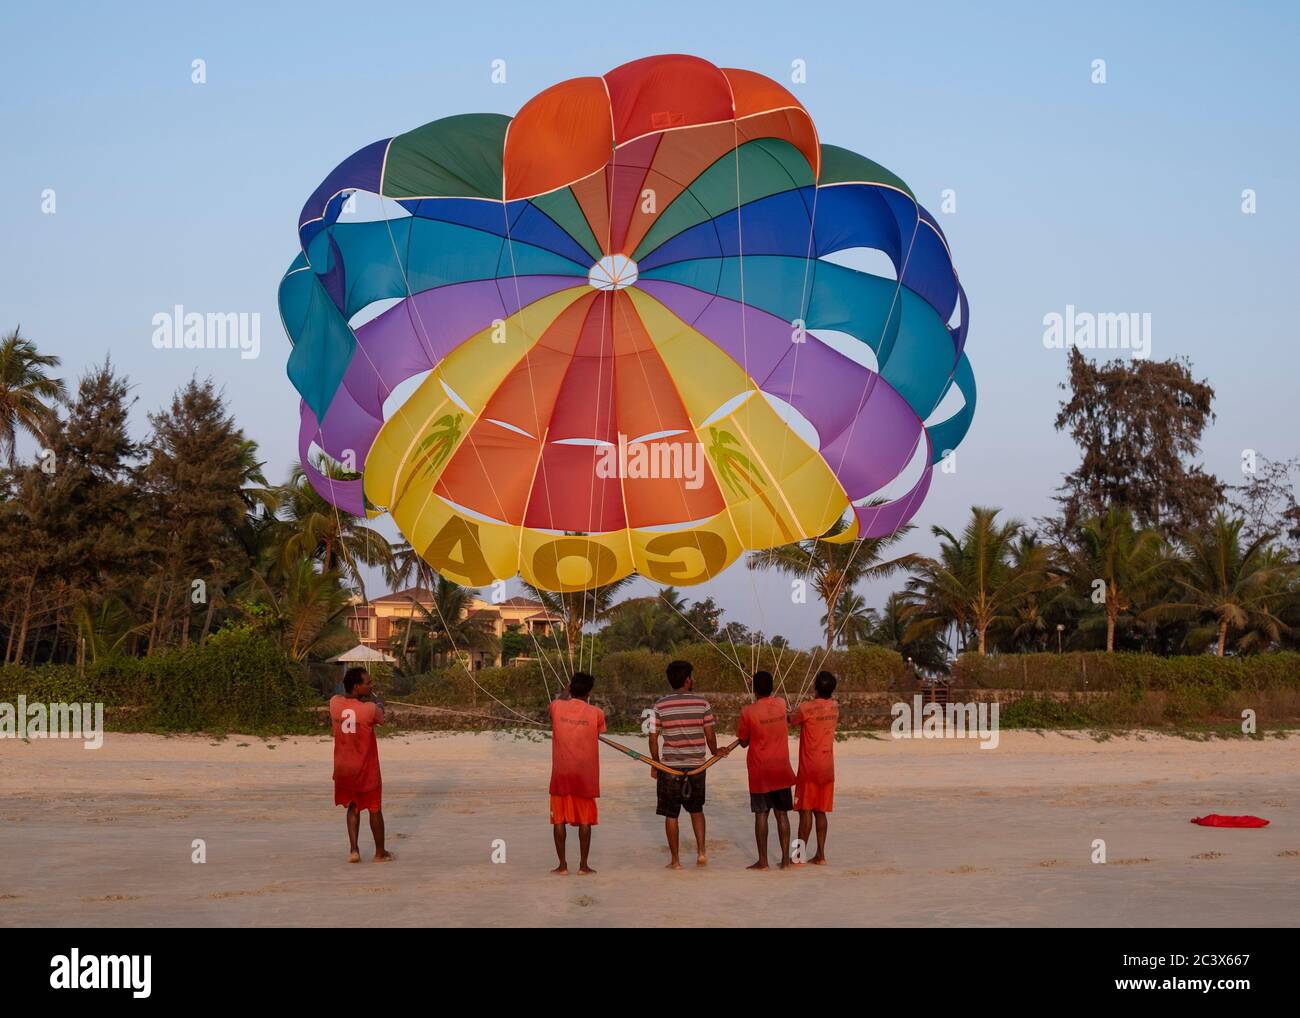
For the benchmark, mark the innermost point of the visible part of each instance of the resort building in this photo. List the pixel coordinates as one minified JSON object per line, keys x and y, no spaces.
{"x":378,"y":624}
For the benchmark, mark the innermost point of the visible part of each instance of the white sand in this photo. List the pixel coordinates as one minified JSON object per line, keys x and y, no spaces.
{"x":924,"y":833}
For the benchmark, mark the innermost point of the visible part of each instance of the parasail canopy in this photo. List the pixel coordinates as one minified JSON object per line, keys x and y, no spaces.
{"x":641,"y":338}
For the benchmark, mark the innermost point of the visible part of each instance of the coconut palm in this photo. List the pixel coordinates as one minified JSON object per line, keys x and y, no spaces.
{"x":929,"y":651}
{"x":577,"y":608}
{"x":1111,"y":562}
{"x":833,"y":568}
{"x":306,"y":612}
{"x":450,"y":628}
{"x":1234,"y":589}
{"x":643,"y":622}
{"x":26,"y":392}
{"x":312,"y":527}
{"x":103,"y":628}
{"x":978,"y":580}
{"x":856,"y":620}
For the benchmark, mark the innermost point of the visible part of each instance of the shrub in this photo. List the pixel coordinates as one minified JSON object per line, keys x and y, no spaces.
{"x":237,"y":680}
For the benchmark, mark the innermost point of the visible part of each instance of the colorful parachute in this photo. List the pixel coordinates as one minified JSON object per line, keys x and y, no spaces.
{"x":642,"y":346}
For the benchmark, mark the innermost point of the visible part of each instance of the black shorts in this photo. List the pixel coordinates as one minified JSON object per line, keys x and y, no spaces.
{"x":761,"y":802}
{"x":676,"y":793}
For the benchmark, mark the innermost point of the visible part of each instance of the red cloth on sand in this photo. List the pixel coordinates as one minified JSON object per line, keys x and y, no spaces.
{"x":1215,"y":820}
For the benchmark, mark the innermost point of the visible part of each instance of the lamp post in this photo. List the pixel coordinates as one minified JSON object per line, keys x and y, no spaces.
{"x":1060,"y":628}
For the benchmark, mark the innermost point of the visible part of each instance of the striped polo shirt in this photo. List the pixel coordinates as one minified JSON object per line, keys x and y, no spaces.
{"x":679,"y":719}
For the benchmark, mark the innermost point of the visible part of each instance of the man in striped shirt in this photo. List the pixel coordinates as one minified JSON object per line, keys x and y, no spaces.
{"x":684,"y":722}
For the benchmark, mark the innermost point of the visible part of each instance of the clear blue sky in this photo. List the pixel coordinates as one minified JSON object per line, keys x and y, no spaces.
{"x":1115,"y":197}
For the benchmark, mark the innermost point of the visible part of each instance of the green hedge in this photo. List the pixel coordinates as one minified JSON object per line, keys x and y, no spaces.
{"x":236,"y":681}
{"x":1122,"y":671}
{"x":865,"y":668}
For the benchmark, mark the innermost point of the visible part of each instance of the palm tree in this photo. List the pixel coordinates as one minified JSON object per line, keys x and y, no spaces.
{"x":978,"y":580}
{"x":450,"y":628}
{"x":1124,"y":559}
{"x":930,"y":650}
{"x":102,"y":628}
{"x":26,"y":392}
{"x":579,"y":607}
{"x":1232,"y":587}
{"x":643,"y":622}
{"x":832,"y":568}
{"x":307,"y":613}
{"x":312,"y":527}
{"x":857,"y":621}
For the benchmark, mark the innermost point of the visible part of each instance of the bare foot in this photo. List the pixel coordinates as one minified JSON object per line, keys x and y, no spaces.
{"x":354,"y":857}
{"x":561,"y":870}
{"x":760,"y":865}
{"x":701,"y":860}
{"x":786,"y":864}
{"x":674,"y":865}
{"x":819,"y":860}
{"x":384,"y":856}
{"x":586,"y":871}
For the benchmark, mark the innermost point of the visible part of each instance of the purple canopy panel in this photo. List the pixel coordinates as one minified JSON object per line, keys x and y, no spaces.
{"x":883,"y":520}
{"x":407,"y":339}
{"x":877,"y":444}
{"x":822,"y":384}
{"x":346,"y":495}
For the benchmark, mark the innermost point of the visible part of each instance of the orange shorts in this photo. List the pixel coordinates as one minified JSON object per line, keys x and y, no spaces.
{"x":811,"y":796}
{"x":573,"y":810}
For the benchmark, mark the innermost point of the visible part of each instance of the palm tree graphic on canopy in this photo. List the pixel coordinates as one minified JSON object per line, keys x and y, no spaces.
{"x":741,"y":474}
{"x":435,"y":447}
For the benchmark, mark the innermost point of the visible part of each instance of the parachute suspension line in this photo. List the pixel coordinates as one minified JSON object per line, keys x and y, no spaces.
{"x":424,"y":338}
{"x":744,"y":346}
{"x":867,"y":389}
{"x":462,"y":713}
{"x":542,"y":662}
{"x":729,"y":658}
{"x":605,"y":304}
{"x":811,"y":673}
{"x":546,"y":483}
{"x":532,"y":391}
{"x":804,"y":303}
{"x":654,"y":400}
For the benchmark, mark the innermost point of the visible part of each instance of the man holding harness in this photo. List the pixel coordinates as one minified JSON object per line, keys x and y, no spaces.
{"x":684,"y":721}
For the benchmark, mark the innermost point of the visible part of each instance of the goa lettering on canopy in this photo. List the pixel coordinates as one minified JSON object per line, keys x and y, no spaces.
{"x":661,"y":256}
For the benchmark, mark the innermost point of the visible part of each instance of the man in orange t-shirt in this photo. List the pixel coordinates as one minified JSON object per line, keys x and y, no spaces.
{"x":815,"y":786}
{"x":575,"y":768}
{"x":765,"y":733}
{"x":357,"y":782}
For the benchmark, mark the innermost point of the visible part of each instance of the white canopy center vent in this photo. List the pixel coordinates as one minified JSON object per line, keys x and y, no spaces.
{"x":613,"y":272}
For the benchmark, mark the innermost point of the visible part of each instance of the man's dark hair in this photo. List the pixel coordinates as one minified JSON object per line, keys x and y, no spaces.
{"x":353,"y":678}
{"x":825,"y":684}
{"x":678,"y":672}
{"x":762,"y":684}
{"x":580,"y":685}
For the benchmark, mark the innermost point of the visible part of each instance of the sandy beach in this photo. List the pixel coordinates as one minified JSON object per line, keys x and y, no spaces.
{"x":924,"y":833}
